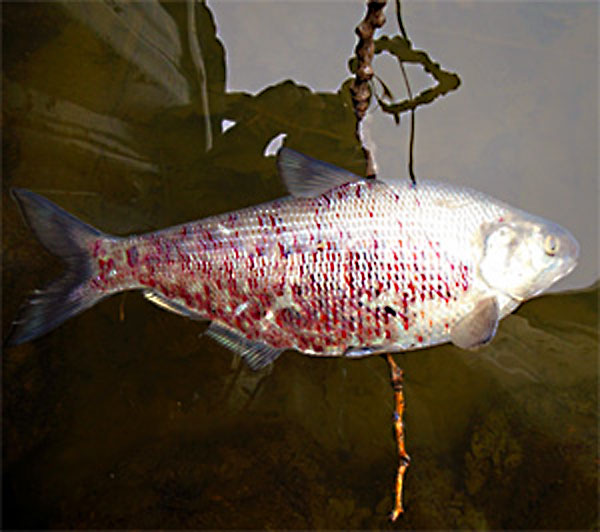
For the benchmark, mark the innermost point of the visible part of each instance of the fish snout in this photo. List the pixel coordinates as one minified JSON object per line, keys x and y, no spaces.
{"x":563,"y":246}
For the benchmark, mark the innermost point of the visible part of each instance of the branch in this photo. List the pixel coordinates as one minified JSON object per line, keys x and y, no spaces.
{"x":360,"y":89}
{"x":403,"y":458}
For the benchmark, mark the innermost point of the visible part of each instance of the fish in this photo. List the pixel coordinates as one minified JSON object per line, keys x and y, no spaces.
{"x":343,"y":266}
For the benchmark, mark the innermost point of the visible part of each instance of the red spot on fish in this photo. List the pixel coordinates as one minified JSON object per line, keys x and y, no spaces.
{"x":187,"y":297}
{"x":132,"y":256}
{"x":420,"y":338}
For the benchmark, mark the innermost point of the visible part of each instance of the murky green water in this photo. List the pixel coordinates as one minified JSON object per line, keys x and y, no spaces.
{"x":124,"y":418}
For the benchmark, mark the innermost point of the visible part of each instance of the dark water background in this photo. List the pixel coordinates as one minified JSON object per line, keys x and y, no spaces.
{"x":124,"y":418}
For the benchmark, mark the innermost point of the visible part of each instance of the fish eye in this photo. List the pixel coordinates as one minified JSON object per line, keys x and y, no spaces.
{"x":551,"y":245}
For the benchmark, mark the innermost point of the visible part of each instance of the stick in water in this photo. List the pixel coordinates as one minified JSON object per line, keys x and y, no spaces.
{"x":403,"y":458}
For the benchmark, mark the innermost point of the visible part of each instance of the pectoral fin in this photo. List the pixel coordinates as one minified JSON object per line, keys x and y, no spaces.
{"x":478,"y":327}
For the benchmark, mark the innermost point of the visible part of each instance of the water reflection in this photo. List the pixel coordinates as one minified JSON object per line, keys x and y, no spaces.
{"x":124,"y":418}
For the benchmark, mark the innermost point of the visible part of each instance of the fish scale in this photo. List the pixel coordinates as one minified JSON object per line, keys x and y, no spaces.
{"x":345,"y":266}
{"x":316,"y":274}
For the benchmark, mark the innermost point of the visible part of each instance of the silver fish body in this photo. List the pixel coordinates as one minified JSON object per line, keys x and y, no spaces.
{"x":343,"y":267}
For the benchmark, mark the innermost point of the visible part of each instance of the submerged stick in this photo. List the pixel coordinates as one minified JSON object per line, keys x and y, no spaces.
{"x":396,"y":375}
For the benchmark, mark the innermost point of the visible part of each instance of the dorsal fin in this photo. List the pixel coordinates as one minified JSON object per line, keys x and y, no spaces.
{"x":306,"y":177}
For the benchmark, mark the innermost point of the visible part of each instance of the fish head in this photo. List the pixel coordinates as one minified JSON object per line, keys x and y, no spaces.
{"x":523,"y":255}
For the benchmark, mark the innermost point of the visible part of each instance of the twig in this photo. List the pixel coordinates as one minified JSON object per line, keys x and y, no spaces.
{"x":196,"y":54}
{"x":360,"y":90}
{"x":403,"y":458}
{"x":400,"y":48}
{"x":411,"y":144}
{"x":399,"y":19}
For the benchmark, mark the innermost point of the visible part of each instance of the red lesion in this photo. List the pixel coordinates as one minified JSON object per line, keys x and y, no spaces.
{"x":132,"y":256}
{"x":106,"y":271}
{"x":97,"y":249}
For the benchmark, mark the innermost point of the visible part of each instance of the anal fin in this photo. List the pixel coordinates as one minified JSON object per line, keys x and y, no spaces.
{"x":478,"y":327}
{"x":256,"y":354}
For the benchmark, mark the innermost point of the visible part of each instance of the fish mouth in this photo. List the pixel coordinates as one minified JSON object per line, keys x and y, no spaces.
{"x":570,"y":268}
{"x":571,"y":255}
{"x":573,"y":250}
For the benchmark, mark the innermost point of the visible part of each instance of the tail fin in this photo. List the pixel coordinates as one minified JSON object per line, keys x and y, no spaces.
{"x":68,"y":238}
